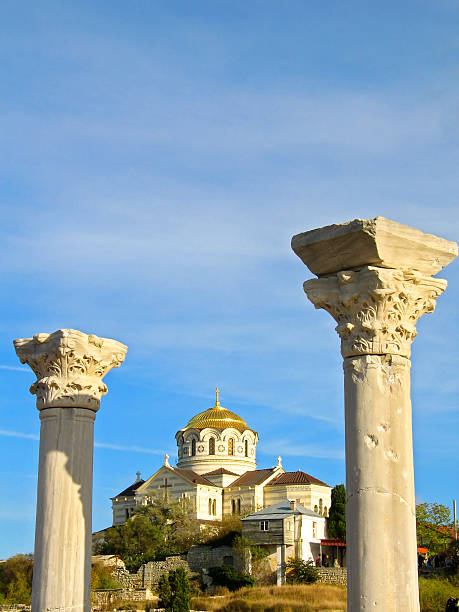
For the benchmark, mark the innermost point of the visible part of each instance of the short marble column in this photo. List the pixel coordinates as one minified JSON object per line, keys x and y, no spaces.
{"x":375,"y":279}
{"x":69,"y":366}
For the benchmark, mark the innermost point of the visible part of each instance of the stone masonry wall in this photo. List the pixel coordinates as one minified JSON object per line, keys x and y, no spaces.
{"x":104,"y":597}
{"x":333,"y":575}
{"x":200,"y":557}
{"x":148,"y":575}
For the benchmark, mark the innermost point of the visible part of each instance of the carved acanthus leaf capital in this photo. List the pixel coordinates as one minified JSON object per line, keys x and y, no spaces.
{"x":69,"y":366}
{"x":376,"y":308}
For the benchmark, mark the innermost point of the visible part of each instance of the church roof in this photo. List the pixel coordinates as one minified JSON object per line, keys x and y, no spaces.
{"x":217,"y":417}
{"x":298,"y":477}
{"x":219,"y":471}
{"x":130,"y":491}
{"x":252,"y":477}
{"x":193,"y":477}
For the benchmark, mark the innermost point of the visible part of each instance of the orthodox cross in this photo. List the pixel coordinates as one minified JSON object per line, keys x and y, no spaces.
{"x":217,"y":403}
{"x":165,"y":486}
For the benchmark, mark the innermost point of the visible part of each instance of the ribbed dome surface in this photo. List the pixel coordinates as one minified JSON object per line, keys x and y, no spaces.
{"x":217,"y":417}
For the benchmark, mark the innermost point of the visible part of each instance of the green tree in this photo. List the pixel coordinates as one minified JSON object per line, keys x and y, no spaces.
{"x":432,"y":521}
{"x":301,"y":572}
{"x":16,"y":579}
{"x":174,"y":591}
{"x":176,"y":521}
{"x":153,"y":532}
{"x":136,"y":542}
{"x":337,"y":514}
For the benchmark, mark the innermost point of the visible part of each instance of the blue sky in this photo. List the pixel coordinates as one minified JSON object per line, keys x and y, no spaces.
{"x":157,"y":157}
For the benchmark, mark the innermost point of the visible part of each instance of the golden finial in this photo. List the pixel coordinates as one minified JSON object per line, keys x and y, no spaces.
{"x":217,"y":403}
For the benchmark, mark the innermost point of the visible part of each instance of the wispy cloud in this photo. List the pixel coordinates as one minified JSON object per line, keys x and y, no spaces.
{"x":14,"y":368}
{"x":105,"y":445}
{"x":132,"y":449}
{"x":18,"y":434}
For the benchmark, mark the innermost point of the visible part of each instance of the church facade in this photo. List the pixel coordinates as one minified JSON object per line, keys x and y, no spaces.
{"x":217,"y":472}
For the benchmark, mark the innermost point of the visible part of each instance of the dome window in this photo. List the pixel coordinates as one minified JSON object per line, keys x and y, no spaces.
{"x":231,"y":446}
{"x":193,"y":447}
{"x":246,"y":448}
{"x":212,"y":446}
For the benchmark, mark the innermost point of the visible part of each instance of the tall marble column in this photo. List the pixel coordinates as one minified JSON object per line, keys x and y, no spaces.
{"x":69,"y":366}
{"x":375,"y":279}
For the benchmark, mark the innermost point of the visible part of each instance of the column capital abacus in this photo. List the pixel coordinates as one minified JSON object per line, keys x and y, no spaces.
{"x":376,"y":308}
{"x":69,"y":366}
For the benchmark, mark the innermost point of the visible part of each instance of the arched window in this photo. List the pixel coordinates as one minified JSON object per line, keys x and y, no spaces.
{"x":193,"y":447}
{"x":212,"y":446}
{"x":320,"y":506}
{"x":210,"y":506}
{"x":246,"y":448}
{"x":239,"y":506}
{"x":325,"y":511}
{"x":316,"y":509}
{"x":233,"y":506}
{"x":214,"y":507}
{"x":231,"y":446}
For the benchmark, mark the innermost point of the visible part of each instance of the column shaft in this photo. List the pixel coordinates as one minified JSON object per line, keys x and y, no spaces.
{"x":62,"y":569}
{"x":381,"y":525}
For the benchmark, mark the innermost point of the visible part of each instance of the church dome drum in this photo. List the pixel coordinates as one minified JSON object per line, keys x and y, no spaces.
{"x":217,"y":438}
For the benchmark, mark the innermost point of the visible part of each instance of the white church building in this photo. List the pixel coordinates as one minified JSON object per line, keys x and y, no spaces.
{"x":217,"y":471}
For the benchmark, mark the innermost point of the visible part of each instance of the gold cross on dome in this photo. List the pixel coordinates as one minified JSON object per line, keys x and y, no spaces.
{"x":217,"y":403}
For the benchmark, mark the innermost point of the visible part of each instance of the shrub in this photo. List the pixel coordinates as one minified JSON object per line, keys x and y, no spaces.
{"x":227,"y":576}
{"x":301,"y":572}
{"x":101,"y":578}
{"x":174,"y":591}
{"x":16,"y":579}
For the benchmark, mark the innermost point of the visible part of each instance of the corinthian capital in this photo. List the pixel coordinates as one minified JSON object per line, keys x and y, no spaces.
{"x":375,"y":279}
{"x":376,"y":308}
{"x":69,"y":366}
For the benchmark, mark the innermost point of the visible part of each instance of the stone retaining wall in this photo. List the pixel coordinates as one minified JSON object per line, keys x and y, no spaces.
{"x":200,"y":557}
{"x":107,"y":596}
{"x":333,"y":575}
{"x":150,"y":573}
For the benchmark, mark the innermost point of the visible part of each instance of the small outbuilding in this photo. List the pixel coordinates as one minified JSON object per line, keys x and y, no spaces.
{"x":286,"y":530}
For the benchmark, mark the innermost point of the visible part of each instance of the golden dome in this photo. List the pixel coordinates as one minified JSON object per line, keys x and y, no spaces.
{"x":217,"y":417}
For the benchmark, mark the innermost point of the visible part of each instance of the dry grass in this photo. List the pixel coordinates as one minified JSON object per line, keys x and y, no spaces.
{"x":304,"y":598}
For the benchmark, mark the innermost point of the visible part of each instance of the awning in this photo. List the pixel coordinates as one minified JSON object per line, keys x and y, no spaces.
{"x":423,"y":551}
{"x":333,"y":543}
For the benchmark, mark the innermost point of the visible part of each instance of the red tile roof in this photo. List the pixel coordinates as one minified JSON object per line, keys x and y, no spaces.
{"x":298,"y":477}
{"x":193,"y":477}
{"x":219,"y":471}
{"x":253,"y":477}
